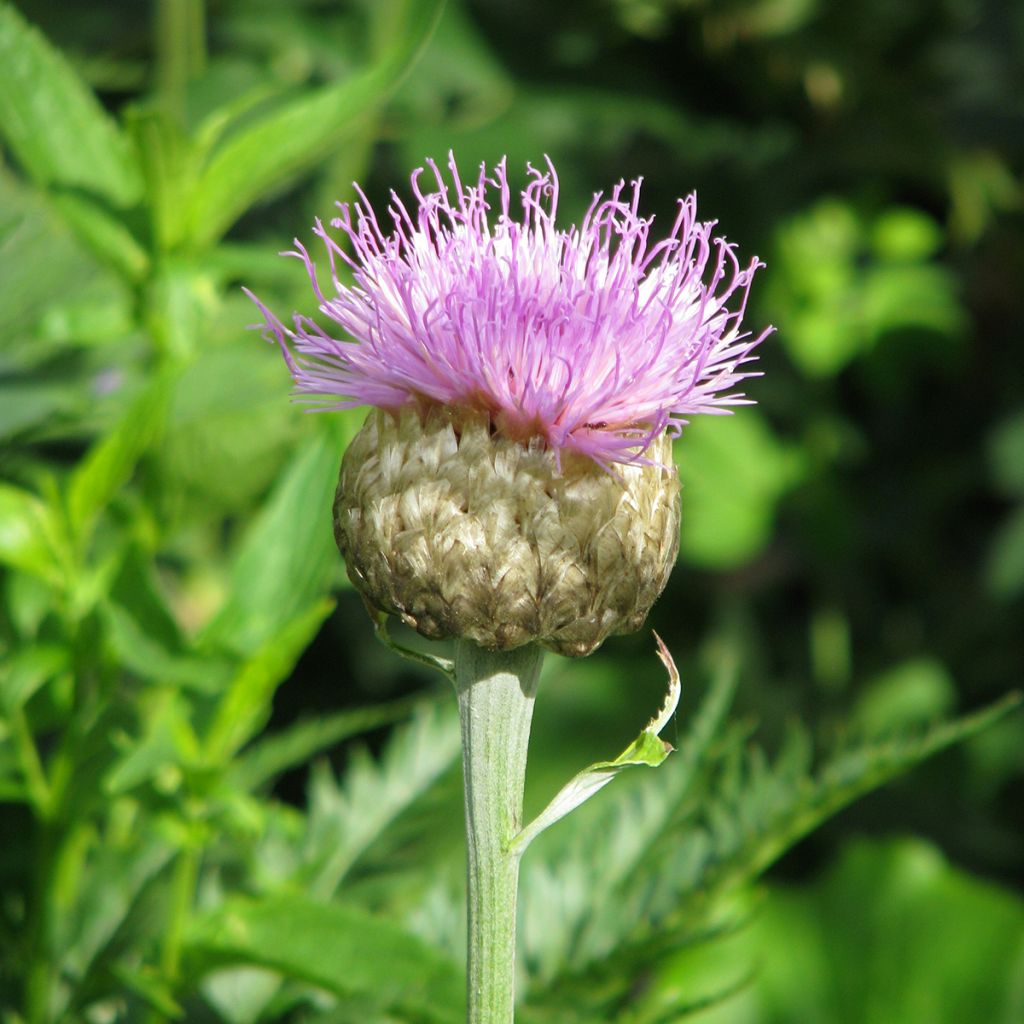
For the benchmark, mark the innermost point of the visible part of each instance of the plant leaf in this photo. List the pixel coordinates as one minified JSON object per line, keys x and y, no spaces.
{"x":346,"y":951}
{"x":109,"y":463}
{"x":54,"y":124}
{"x":288,"y":556}
{"x":647,"y":749}
{"x":299,"y":133}
{"x":29,"y":534}
{"x":246,"y":704}
{"x":271,"y":755}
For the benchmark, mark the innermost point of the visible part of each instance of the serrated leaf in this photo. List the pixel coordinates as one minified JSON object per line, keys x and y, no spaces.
{"x":52,"y":121}
{"x":298,"y":744}
{"x":299,"y":133}
{"x":340,"y":949}
{"x":346,"y":819}
{"x":647,"y":749}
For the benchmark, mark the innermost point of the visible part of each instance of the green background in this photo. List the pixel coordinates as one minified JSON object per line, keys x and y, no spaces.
{"x":177,"y":637}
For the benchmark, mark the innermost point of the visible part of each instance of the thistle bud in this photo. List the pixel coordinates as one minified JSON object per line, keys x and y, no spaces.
{"x":515,"y":482}
{"x":464,"y":533}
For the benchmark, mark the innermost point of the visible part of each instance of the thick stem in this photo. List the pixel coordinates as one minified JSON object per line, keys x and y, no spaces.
{"x":496,"y":690}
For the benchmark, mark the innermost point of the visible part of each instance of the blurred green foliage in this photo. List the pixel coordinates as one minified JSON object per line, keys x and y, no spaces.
{"x":177,"y":637}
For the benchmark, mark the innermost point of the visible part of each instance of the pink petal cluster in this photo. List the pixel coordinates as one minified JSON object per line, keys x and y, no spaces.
{"x":594,"y":339}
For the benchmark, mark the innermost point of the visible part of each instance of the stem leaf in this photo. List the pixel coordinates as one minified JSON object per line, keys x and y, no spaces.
{"x":647,"y":749}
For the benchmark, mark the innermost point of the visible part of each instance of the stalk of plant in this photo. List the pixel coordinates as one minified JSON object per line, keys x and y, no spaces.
{"x":513,"y":487}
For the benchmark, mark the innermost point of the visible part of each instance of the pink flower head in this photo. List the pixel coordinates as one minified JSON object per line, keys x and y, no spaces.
{"x":593,"y":339}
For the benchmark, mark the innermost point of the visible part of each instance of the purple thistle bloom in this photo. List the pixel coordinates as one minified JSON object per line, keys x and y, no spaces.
{"x":594,"y":339}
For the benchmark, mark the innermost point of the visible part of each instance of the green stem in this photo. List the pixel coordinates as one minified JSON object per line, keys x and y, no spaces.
{"x":496,"y":691}
{"x":180,"y":32}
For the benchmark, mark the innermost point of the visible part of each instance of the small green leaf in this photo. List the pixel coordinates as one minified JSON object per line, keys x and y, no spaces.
{"x":647,"y":749}
{"x":270,"y":756}
{"x":343,"y":950}
{"x":29,"y":534}
{"x":1004,"y":571}
{"x":106,"y":236}
{"x":26,"y":671}
{"x":734,"y":471}
{"x":54,"y":124}
{"x":246,"y":704}
{"x":432,"y":661}
{"x":288,"y":556}
{"x":110,"y":462}
{"x":168,"y":745}
{"x":295,"y":135}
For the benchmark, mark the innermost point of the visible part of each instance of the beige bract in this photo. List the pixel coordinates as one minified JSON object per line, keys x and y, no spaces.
{"x":464,"y":533}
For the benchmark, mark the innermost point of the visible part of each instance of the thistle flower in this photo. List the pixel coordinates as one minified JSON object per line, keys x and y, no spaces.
{"x":517,"y":483}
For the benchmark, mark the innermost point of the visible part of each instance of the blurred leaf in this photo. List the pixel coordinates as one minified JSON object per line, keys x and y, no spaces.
{"x":137,"y":649}
{"x":271,"y":755}
{"x":458,"y":81}
{"x":337,"y":948}
{"x":110,"y":462}
{"x":733,"y":472}
{"x":45,"y":269}
{"x":1006,"y":455}
{"x":167,"y":169}
{"x":1004,"y":571}
{"x":52,"y":121}
{"x":246,"y":704}
{"x":153,"y":990}
{"x":29,"y":535}
{"x":117,"y":871}
{"x":106,"y":236}
{"x":916,"y":691}
{"x":298,"y":133}
{"x":892,"y":933}
{"x":347,"y":817}
{"x":905,"y":235}
{"x":26,"y":671}
{"x":848,"y":280}
{"x":168,"y":744}
{"x":288,"y":556}
{"x":230,"y":429}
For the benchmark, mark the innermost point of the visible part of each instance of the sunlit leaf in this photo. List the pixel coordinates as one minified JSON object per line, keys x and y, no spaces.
{"x":54,"y":124}
{"x":340,"y":949}
{"x":30,"y":535}
{"x":246,"y":704}
{"x":288,"y":556}
{"x":110,"y":462}
{"x":298,"y":133}
{"x":733,"y":472}
{"x":891,"y":932}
